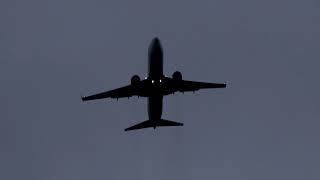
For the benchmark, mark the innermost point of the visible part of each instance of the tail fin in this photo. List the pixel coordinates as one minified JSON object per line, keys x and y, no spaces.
{"x":154,"y":124}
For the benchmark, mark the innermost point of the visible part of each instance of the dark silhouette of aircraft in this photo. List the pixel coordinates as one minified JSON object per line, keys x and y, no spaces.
{"x":154,"y":87}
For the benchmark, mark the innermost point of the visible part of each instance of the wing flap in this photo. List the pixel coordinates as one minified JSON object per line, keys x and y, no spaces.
{"x":126,"y":91}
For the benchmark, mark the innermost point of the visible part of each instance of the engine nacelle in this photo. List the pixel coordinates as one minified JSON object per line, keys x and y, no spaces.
{"x":177,"y":76}
{"x":135,"y":79}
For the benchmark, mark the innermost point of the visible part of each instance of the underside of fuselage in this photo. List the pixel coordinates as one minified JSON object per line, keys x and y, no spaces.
{"x":155,"y":74}
{"x":155,"y":55}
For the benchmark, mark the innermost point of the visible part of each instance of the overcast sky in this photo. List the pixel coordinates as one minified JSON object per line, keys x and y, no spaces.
{"x":264,"y":125}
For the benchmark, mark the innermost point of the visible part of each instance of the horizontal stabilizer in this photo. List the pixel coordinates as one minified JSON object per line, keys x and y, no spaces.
{"x":144,"y":124}
{"x":154,"y":124}
{"x":164,"y":122}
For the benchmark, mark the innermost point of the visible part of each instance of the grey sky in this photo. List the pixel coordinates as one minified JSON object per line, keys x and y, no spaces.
{"x":264,"y":126}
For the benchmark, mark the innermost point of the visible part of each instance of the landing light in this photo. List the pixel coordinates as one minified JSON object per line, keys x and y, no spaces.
{"x":152,"y":81}
{"x":160,"y":80}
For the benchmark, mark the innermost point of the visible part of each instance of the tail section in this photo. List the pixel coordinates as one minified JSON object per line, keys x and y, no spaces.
{"x":154,"y":124}
{"x":164,"y":122}
{"x":144,"y":124}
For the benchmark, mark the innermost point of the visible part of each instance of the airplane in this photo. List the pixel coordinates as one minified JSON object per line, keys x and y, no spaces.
{"x":154,"y":87}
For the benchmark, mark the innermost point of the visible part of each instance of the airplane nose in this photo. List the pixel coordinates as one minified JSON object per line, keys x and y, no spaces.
{"x":155,"y":45}
{"x":156,"y":41}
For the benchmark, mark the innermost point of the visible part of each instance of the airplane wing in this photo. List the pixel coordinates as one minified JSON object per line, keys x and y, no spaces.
{"x":126,"y":91}
{"x":184,"y":85}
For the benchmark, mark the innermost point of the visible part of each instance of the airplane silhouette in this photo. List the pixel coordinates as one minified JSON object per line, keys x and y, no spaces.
{"x":154,"y":87}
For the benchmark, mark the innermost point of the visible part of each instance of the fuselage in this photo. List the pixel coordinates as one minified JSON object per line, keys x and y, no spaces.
{"x":155,"y":73}
{"x":155,"y":55}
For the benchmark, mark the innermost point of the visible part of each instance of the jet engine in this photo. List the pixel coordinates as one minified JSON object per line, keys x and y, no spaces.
{"x":135,"y":79}
{"x":177,"y":76}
